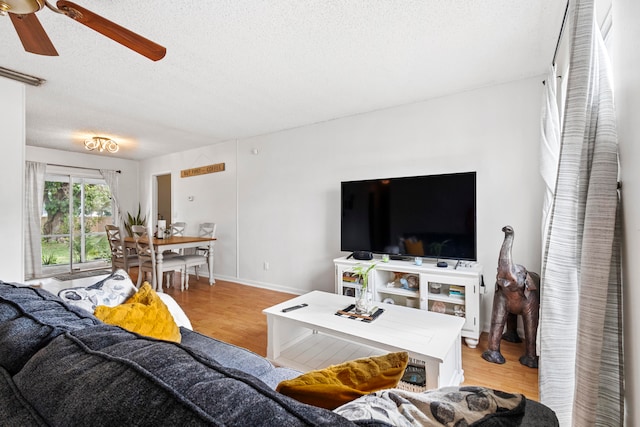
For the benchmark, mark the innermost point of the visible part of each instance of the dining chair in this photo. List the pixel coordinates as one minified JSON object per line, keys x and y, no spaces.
{"x":121,"y":257}
{"x":175,"y":229}
{"x":206,"y":229}
{"x":201,"y":257}
{"x":147,"y":258}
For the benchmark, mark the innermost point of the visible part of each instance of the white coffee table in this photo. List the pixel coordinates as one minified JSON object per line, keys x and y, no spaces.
{"x":314,"y":337}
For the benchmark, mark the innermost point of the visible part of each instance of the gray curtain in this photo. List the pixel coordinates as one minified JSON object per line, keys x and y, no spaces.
{"x":34,"y":192}
{"x":580,"y":321}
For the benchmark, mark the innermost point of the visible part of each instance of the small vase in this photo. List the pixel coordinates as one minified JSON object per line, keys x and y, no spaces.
{"x":363,"y":300}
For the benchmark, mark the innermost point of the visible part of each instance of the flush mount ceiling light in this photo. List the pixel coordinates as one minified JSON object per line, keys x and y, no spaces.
{"x":101,"y":144}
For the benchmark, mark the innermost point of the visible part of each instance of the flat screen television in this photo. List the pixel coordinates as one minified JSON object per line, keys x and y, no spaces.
{"x":432,"y":216}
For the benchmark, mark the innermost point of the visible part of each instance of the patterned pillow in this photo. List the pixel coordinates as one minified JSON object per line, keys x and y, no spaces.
{"x":143,"y":313}
{"x":449,"y":406}
{"x":110,"y":291}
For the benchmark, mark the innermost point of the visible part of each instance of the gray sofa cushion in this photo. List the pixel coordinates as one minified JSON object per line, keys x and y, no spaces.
{"x":29,"y":319}
{"x":235,"y":357}
{"x":103,"y":375}
{"x":225,"y":354}
{"x":277,"y":375}
{"x":13,"y":409}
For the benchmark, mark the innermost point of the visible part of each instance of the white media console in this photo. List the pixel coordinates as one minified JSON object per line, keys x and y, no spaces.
{"x":453,"y":290}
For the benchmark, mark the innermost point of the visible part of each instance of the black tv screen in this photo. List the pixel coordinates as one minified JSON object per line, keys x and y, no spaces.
{"x":431,"y":216}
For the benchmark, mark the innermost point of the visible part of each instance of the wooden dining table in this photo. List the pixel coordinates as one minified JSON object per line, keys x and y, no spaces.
{"x":177,"y":242}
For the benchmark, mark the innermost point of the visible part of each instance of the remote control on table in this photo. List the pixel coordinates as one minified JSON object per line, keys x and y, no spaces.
{"x":295,"y":307}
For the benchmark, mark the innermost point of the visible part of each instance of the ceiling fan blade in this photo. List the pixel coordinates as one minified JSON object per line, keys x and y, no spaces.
{"x":112,"y":30}
{"x":32,"y":34}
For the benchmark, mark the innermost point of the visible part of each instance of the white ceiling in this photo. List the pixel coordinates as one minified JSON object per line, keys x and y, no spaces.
{"x":239,"y":68}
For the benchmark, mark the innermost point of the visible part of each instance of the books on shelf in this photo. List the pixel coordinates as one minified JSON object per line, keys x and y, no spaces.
{"x":349,"y":277}
{"x":455,"y":290}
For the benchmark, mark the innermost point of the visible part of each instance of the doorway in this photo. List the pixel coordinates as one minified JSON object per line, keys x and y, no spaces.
{"x":163,"y":197}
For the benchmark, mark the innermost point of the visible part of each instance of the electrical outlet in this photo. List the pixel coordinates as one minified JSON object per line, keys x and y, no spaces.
{"x":266,"y":265}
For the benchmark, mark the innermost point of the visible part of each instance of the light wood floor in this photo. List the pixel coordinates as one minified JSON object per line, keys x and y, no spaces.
{"x":233,"y":313}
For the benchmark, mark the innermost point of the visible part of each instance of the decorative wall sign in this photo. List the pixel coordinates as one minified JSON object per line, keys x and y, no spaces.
{"x":202,"y":170}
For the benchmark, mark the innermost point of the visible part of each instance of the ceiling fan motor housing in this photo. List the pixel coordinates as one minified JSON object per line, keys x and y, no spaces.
{"x":21,"y":7}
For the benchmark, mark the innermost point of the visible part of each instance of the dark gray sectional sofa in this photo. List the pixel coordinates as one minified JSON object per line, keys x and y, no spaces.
{"x":61,"y":366}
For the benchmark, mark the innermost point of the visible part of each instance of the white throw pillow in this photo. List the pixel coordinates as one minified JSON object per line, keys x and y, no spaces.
{"x":110,"y":291}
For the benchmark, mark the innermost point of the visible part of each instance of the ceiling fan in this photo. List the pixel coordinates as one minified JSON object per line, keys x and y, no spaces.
{"x":35,"y":39}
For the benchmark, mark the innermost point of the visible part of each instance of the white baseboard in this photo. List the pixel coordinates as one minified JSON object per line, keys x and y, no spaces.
{"x":257,"y":284}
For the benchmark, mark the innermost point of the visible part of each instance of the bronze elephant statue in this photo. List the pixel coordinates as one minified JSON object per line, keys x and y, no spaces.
{"x":516,"y":294}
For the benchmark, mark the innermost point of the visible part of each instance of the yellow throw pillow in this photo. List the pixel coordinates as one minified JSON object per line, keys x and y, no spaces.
{"x":143,"y":313}
{"x":336,"y":385}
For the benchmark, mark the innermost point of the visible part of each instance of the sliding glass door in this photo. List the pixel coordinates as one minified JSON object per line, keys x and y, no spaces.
{"x":76,"y":209}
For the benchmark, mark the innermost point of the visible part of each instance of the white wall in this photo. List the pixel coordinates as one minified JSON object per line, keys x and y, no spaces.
{"x":288,"y":195}
{"x":12,"y":135}
{"x":626,"y":60}
{"x":214,"y":196}
{"x":128,"y":178}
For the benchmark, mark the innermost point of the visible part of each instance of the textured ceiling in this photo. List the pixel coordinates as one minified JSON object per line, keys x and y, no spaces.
{"x":241,"y":68}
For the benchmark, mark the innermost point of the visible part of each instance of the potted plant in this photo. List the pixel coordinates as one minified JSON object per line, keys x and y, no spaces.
{"x":362,"y":299}
{"x":138,"y":219}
